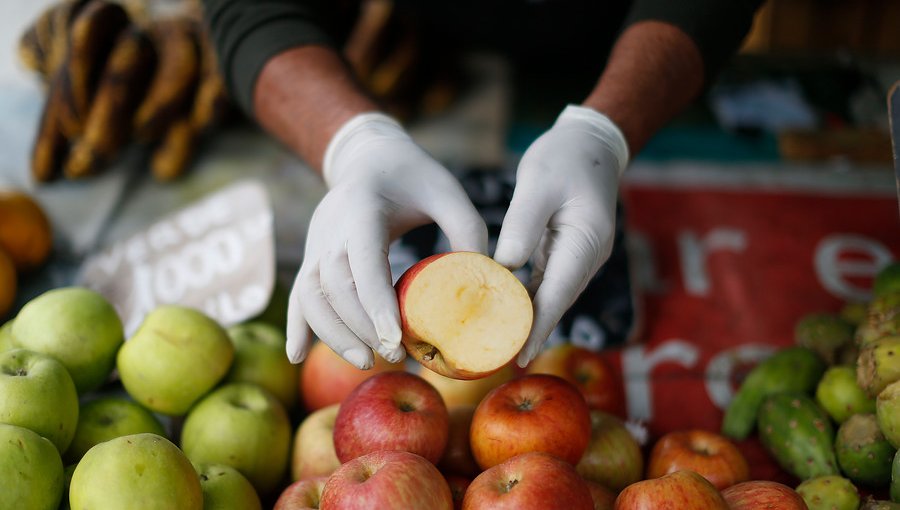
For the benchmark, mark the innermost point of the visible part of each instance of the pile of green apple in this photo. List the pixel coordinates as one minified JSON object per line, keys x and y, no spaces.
{"x":182,"y":415}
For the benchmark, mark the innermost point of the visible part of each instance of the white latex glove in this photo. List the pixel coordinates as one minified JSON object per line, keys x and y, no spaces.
{"x":563,"y":211}
{"x":381,"y":185}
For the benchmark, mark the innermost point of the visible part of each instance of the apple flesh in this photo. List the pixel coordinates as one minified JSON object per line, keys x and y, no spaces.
{"x":224,"y":487}
{"x":326,"y":378}
{"x":463,"y":315}
{"x":31,"y":471}
{"x":259,"y":359}
{"x":460,"y":392}
{"x":176,"y":356}
{"x":243,"y":426}
{"x":108,"y":418}
{"x":681,"y":490}
{"x":458,"y":458}
{"x":76,"y":326}
{"x":302,"y":495}
{"x":535,"y":413}
{"x":759,"y":494}
{"x":36,"y":392}
{"x":601,"y":388}
{"x":706,"y":453}
{"x":387,"y":479}
{"x":392,"y":411}
{"x":143,"y":468}
{"x":533,"y":481}
{"x":313,"y":454}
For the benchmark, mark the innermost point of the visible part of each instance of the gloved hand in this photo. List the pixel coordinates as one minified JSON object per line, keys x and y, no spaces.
{"x":381,"y":185}
{"x":563,"y":212}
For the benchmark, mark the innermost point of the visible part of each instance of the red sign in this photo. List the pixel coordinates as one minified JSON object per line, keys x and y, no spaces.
{"x":725,"y":273}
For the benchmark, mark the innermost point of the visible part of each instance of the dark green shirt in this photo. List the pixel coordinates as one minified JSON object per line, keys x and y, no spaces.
{"x":247,"y":33}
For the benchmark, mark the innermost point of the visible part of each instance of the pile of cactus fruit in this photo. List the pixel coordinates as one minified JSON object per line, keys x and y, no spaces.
{"x":828,"y":409}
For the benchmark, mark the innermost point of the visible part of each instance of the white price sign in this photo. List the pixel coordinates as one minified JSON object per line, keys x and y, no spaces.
{"x":216,"y":255}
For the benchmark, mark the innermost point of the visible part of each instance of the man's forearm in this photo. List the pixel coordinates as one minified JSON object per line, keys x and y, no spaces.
{"x":304,"y":95}
{"x":655,"y":70}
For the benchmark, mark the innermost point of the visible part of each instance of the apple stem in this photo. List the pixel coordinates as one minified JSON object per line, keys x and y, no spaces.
{"x":510,"y":484}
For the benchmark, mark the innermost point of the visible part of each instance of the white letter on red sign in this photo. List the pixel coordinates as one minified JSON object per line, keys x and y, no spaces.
{"x":833,"y":271}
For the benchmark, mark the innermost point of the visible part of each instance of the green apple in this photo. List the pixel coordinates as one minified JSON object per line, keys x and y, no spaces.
{"x":225,"y":488}
{"x":243,"y":426}
{"x":259,"y":358}
{"x":175,"y":357}
{"x":314,"y":454}
{"x":138,"y":471}
{"x":31,"y":471}
{"x":76,"y":326}
{"x":6,"y":338}
{"x":108,"y":418}
{"x":36,"y":392}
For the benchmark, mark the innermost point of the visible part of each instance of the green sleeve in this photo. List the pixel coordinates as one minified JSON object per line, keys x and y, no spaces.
{"x":247,"y":33}
{"x":717,"y":27}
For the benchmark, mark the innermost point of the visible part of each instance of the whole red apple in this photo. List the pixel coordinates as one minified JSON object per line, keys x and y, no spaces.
{"x":706,"y":453}
{"x":458,"y":486}
{"x":534,"y":413}
{"x":587,"y":370}
{"x":313,"y":453}
{"x":604,"y":499}
{"x":387,"y":479}
{"x":392,"y":411}
{"x":532,"y":481}
{"x":681,"y":490}
{"x":759,"y":494}
{"x":302,"y":495}
{"x":457,"y":458}
{"x":326,"y":378}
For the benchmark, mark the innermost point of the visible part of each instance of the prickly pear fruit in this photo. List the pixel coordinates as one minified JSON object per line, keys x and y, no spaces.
{"x":840,"y":396}
{"x":895,"y":478}
{"x":872,"y":504}
{"x":887,"y":409}
{"x":854,"y":313}
{"x":882,"y":319}
{"x":798,"y":433}
{"x":863,"y":453}
{"x":878,"y":365}
{"x":796,"y":369}
{"x":887,"y":280}
{"x":829,"y":493}
{"x":824,"y":334}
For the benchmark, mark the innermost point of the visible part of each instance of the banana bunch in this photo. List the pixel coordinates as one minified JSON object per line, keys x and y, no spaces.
{"x":114,"y":75}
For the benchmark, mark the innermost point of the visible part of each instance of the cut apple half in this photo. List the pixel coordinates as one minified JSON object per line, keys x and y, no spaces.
{"x":463,"y":315}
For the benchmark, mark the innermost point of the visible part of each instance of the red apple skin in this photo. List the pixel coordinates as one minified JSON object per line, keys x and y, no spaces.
{"x":681,"y":490}
{"x":302,"y":495}
{"x":710,"y":455}
{"x":534,"y":413}
{"x":761,"y":494}
{"x":532,"y":481}
{"x":458,"y":487}
{"x":392,"y":411}
{"x":601,"y":388}
{"x":326,"y":378}
{"x":458,"y":458}
{"x":604,"y":499}
{"x":387,"y":479}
